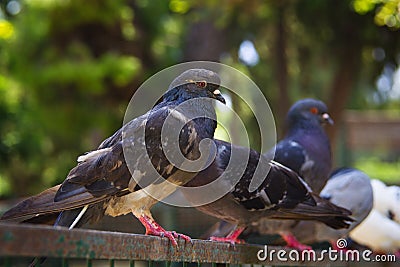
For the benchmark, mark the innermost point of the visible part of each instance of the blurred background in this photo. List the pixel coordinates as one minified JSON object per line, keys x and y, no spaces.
{"x":69,"y":68}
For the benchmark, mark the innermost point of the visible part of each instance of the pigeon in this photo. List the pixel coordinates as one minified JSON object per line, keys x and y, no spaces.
{"x":348,"y":188}
{"x":380,"y":231}
{"x":387,"y":199}
{"x":282,"y":194}
{"x":306,"y":150}
{"x":129,"y":172}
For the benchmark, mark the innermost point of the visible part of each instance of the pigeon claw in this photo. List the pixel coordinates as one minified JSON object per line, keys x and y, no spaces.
{"x":153,"y":228}
{"x":232,"y":238}
{"x":292,"y":242}
{"x":184,"y":237}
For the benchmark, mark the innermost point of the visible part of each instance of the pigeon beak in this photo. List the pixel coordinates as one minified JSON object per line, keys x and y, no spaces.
{"x":327,"y":118}
{"x":218,"y":96}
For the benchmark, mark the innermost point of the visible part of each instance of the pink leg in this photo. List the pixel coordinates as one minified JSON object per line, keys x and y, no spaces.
{"x":292,"y":242}
{"x":231,"y":238}
{"x":397,"y":254}
{"x":153,"y":228}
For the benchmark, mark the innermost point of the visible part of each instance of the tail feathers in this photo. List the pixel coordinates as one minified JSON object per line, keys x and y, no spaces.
{"x":324,"y":211}
{"x":337,"y":222}
{"x":32,"y":206}
{"x":44,"y":203}
{"x":48,"y":219}
{"x":66,"y":218}
{"x":324,"y":207}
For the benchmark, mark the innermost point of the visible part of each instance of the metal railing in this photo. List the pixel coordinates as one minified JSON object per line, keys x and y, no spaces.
{"x":26,"y":241}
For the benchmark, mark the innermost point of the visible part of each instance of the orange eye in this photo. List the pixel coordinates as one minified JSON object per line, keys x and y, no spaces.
{"x":201,"y":84}
{"x":314,"y":110}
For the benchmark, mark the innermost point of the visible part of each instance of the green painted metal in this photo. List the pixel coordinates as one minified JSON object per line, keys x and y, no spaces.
{"x":24,"y":240}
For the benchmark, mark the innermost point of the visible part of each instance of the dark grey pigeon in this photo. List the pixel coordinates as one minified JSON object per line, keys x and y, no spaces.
{"x":282,"y":195}
{"x":305,"y":150}
{"x":110,"y":179}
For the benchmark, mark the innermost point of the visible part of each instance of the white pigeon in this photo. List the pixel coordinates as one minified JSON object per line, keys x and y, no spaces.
{"x":381,"y":229}
{"x":387,"y":200}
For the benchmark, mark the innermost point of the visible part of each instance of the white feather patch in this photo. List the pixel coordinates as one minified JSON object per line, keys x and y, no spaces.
{"x":83,"y":210}
{"x":178,"y":115}
{"x":93,"y":154}
{"x":264,"y":196}
{"x":273,"y":162}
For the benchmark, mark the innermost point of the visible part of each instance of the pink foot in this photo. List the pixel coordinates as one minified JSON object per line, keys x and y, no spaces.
{"x":232,"y":238}
{"x":292,"y":242}
{"x":153,"y":228}
{"x":397,"y":254}
{"x":184,"y":237}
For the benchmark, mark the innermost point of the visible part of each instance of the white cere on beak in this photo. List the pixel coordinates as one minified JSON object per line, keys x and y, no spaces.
{"x":217,"y":92}
{"x":327,"y":118}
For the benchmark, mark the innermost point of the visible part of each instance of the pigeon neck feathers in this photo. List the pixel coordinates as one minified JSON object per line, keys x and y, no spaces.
{"x":309,"y":133}
{"x":192,"y":93}
{"x":303,"y":123}
{"x":193,"y":105}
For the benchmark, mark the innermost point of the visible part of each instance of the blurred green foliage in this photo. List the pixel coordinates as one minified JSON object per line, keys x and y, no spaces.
{"x":376,"y":168}
{"x":69,"y":68}
{"x":51,"y":89}
{"x":387,"y":12}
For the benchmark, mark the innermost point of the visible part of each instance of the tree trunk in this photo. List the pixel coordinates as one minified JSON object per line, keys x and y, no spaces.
{"x":204,"y":42}
{"x":282,"y":72}
{"x":342,"y":85}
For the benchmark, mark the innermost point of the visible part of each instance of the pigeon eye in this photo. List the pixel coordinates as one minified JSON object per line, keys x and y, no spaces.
{"x":201,"y":84}
{"x":314,"y":110}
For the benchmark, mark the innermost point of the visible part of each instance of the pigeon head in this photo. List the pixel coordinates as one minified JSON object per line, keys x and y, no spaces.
{"x":195,"y":83}
{"x":309,"y":110}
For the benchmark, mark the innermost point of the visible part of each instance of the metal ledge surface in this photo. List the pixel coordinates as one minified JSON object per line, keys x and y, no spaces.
{"x":26,"y":240}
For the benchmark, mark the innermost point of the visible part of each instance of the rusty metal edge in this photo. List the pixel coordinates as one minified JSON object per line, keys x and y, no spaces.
{"x":25,"y":240}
